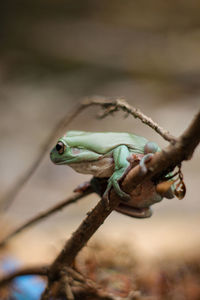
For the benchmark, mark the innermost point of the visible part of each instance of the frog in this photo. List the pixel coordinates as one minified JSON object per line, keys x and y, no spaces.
{"x":109,"y":156}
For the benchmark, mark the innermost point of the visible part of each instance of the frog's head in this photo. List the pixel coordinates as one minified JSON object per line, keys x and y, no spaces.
{"x":61,"y":153}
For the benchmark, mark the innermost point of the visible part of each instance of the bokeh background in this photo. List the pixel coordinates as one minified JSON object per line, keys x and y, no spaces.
{"x":53,"y":54}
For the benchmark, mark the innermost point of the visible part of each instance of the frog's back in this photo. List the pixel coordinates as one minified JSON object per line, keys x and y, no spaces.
{"x":104,"y":142}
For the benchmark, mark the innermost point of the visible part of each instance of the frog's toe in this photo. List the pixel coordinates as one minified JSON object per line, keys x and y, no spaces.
{"x":124,"y":196}
{"x":106,"y":194}
{"x":106,"y":199}
{"x":146,"y":158}
{"x":150,"y":147}
{"x":115,"y":185}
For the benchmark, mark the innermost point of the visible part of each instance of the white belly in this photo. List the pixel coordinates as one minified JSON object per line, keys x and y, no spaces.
{"x":104,"y":167}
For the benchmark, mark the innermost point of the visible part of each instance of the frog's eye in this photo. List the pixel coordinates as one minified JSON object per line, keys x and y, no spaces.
{"x":60,"y":147}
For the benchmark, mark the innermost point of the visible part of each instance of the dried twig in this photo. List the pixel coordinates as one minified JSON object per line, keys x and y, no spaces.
{"x":40,"y":270}
{"x":109,"y":106}
{"x":43,"y":215}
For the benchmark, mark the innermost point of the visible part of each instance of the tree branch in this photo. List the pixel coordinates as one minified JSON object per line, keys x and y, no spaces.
{"x":120,"y":104}
{"x":43,"y":215}
{"x":40,"y":270}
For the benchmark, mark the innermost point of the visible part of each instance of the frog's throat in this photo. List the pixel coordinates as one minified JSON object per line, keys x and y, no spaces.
{"x":103,"y":167}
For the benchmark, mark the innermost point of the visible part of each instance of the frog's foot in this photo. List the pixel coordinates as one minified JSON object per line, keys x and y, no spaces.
{"x":146,"y":158}
{"x":81,"y":188}
{"x":134,"y":212}
{"x":149,"y":149}
{"x":113,"y":182}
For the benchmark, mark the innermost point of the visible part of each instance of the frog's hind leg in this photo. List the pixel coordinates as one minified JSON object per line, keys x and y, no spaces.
{"x":133,"y":212}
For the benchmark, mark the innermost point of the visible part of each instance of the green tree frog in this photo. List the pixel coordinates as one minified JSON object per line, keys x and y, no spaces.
{"x":110,"y":155}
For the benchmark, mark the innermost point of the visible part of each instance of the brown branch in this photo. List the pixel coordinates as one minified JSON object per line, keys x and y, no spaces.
{"x":40,"y":270}
{"x":115,"y":105}
{"x":109,"y":106}
{"x":43,"y":271}
{"x":43,"y":215}
{"x":167,"y":159}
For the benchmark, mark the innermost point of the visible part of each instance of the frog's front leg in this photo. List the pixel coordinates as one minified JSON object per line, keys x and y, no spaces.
{"x":120,"y":155}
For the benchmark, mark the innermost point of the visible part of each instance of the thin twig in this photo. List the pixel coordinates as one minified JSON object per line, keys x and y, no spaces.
{"x":40,"y":270}
{"x":107,"y":105}
{"x":115,"y":105}
{"x":43,"y":215}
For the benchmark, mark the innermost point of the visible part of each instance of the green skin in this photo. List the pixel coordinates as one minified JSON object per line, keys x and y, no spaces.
{"x":104,"y":154}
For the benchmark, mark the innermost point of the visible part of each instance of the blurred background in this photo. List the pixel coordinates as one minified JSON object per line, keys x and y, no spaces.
{"x":53,"y":54}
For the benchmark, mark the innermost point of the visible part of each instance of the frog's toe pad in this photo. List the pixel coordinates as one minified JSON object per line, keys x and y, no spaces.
{"x":124,"y":196}
{"x":146,"y":158}
{"x":115,"y":185}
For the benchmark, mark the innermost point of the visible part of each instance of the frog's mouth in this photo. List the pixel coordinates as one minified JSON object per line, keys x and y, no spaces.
{"x":134,"y":212}
{"x":57,"y":161}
